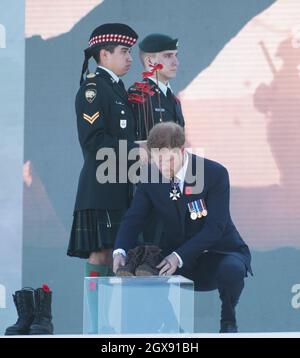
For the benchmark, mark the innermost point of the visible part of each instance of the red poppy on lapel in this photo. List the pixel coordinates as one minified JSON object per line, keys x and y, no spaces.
{"x":188,"y":190}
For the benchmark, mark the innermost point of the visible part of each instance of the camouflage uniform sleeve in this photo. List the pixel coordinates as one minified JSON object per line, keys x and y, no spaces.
{"x":91,"y":109}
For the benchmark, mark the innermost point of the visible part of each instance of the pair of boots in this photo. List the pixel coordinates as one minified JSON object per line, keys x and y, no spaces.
{"x":141,"y":261}
{"x":34,"y":312}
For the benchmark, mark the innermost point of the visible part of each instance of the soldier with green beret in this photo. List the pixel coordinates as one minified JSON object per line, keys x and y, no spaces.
{"x":162,"y":105}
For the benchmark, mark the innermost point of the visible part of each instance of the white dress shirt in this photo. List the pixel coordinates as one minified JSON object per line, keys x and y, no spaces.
{"x":163,"y":87}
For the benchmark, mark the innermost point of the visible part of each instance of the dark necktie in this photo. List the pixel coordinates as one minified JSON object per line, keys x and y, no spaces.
{"x":121,"y":87}
{"x":121,"y":84}
{"x":170,"y":95}
{"x":172,"y":99}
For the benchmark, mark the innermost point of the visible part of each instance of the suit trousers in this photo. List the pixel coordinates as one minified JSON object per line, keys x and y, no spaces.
{"x":223,"y":272}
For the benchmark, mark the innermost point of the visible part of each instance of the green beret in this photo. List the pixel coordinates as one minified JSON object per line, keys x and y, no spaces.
{"x":158,"y":43}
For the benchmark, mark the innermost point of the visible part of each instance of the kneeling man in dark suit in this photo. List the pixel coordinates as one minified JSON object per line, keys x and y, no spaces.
{"x":199,"y":241}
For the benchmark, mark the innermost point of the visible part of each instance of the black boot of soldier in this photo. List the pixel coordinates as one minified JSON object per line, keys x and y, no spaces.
{"x":42,"y":314}
{"x":24,"y":302}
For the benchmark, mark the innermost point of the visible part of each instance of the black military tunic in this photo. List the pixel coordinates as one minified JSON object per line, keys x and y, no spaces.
{"x":157,"y":108}
{"x":104,"y":117}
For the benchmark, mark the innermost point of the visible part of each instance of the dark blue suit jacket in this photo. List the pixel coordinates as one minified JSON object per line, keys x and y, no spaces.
{"x":190,"y":239}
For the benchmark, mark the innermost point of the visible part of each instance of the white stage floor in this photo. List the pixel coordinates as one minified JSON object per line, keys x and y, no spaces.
{"x":180,"y":336}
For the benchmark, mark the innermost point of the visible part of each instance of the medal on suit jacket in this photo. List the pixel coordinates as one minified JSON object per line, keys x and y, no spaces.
{"x":192,"y":211}
{"x":174,"y":194}
{"x":197,"y":209}
{"x":175,"y":191}
{"x":203,"y":207}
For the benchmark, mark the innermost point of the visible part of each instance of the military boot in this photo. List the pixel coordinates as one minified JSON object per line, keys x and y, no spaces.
{"x":228,"y":327}
{"x":152,"y":257}
{"x":42,"y":314}
{"x":133,"y":259}
{"x":24,"y":302}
